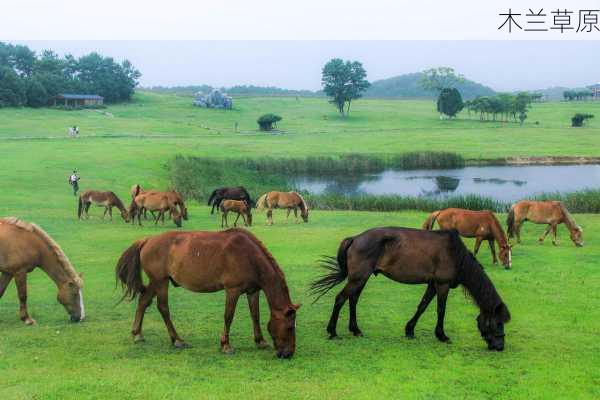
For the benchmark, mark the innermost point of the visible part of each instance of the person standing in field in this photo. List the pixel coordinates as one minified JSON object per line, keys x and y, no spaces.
{"x":74,"y":182}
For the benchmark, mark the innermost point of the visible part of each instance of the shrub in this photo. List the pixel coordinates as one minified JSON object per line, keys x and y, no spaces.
{"x":266,"y":121}
{"x":578,"y":119}
{"x":450,"y":102}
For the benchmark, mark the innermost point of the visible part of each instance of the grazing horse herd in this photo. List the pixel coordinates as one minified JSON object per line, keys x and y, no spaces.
{"x":237,"y":262}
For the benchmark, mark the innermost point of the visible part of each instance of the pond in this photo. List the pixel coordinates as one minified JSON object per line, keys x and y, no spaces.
{"x":503,"y":183}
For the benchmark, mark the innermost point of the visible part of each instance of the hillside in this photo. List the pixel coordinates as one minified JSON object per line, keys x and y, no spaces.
{"x":407,"y":86}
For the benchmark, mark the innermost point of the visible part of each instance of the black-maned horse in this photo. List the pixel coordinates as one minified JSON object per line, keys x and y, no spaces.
{"x":228,"y":193}
{"x":436,"y":258}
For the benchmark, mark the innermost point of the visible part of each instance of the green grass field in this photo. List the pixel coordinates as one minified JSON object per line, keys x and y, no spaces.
{"x":552,"y":348}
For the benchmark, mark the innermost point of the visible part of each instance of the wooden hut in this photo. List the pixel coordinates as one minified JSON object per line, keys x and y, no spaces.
{"x":78,"y":100}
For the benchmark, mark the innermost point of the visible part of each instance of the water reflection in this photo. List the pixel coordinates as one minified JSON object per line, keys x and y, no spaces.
{"x":506,"y":183}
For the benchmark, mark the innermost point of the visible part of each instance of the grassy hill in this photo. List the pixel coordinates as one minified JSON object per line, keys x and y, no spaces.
{"x":407,"y":86}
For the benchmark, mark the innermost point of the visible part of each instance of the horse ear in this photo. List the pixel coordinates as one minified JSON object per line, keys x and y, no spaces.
{"x":502,"y":312}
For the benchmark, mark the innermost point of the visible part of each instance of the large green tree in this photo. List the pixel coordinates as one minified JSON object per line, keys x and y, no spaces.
{"x":344,"y":81}
{"x":450,"y":102}
{"x":437,"y":79}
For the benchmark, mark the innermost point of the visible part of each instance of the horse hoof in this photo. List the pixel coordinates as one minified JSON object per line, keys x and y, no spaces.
{"x":262,"y":344}
{"x":228,"y":350}
{"x":29,"y":321}
{"x":180,"y":344}
{"x":138,"y":339}
{"x":357,"y":333}
{"x":334,"y":336}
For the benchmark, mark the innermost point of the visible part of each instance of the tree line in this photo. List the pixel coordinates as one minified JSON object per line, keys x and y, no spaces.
{"x":503,"y":106}
{"x":570,"y":95}
{"x":30,"y":79}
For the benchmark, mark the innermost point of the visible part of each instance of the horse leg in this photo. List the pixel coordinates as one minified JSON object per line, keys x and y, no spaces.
{"x":21,"y":281}
{"x":270,"y":216}
{"x":352,"y":302}
{"x":162,"y":303}
{"x":110,"y":212}
{"x":541,"y":239}
{"x":143,"y":303}
{"x":287,"y":217}
{"x":231,"y":298}
{"x":223,"y":220}
{"x":158,"y":217}
{"x":493,"y":249}
{"x":518,"y":225}
{"x":236,"y":220}
{"x":105,"y":211}
{"x":427,"y":297}
{"x":442,"y":295}
{"x":554,"y":229}
{"x":5,"y":279}
{"x":348,"y":290}
{"x":477,"y":245}
{"x":253,"y":303}
{"x":87,"y":209}
{"x":296,"y":215}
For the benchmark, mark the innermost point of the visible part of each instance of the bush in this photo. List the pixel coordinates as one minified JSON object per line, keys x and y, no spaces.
{"x":450,"y":102}
{"x":578,"y":119}
{"x":266,"y":121}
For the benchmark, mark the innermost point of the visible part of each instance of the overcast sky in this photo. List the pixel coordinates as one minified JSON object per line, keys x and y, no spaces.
{"x":502,"y":65}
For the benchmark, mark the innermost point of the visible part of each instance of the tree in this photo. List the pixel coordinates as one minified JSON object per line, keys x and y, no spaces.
{"x":437,"y":79}
{"x":12,"y":89}
{"x":344,"y":82}
{"x":578,"y":119}
{"x":36,"y":94}
{"x":449,"y":102}
{"x":266,"y":121}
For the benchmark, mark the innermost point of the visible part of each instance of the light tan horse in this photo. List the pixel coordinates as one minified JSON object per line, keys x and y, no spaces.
{"x":154,"y":202}
{"x":106,"y":199}
{"x":25,"y":246}
{"x":543,"y":212}
{"x":238,"y":206}
{"x":174,"y":197}
{"x":289,"y":200}
{"x":205,"y":262}
{"x":481,"y":225}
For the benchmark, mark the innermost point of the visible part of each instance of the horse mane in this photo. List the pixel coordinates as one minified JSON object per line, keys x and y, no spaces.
{"x":118,"y":201}
{"x":54,"y":247}
{"x":472,"y":277}
{"x":496,"y":225}
{"x":569,"y":220}
{"x":304,"y":206}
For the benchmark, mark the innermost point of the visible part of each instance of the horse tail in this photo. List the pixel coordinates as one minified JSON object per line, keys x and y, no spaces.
{"x":261,"y":203}
{"x":129,"y":271}
{"x":510,"y":222}
{"x":79,"y":207}
{"x":337,"y":267}
{"x":430,"y":221}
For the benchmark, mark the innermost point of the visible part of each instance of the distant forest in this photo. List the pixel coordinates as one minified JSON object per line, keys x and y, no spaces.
{"x":30,"y":79}
{"x":240,"y":90}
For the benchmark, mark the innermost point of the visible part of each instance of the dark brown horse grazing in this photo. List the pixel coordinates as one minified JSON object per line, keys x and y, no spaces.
{"x":289,"y":200}
{"x":228,"y":193}
{"x":233,"y":260}
{"x":543,"y":212}
{"x":238,"y":206}
{"x":106,"y":199}
{"x":436,"y":258}
{"x":482,"y":225}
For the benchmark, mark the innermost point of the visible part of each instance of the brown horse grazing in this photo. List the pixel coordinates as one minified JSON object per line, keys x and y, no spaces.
{"x":233,"y":260}
{"x":154,"y":201}
{"x":543,"y":212}
{"x":238,"y":206}
{"x":25,"y":246}
{"x":106,"y":199}
{"x":482,"y":225}
{"x":174,"y":197}
{"x":436,"y":258}
{"x":289,"y":200}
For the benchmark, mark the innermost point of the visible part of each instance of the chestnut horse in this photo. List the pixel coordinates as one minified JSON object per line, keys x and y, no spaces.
{"x":154,"y":201}
{"x":25,"y":246}
{"x":228,"y":193}
{"x":481,"y":225}
{"x":543,"y":212}
{"x":174,"y":196}
{"x":106,"y":199}
{"x":436,"y":258}
{"x":238,"y":206}
{"x":289,"y":200}
{"x":204,"y":262}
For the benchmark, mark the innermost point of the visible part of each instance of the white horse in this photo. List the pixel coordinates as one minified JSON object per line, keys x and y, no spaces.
{"x":73,"y":131}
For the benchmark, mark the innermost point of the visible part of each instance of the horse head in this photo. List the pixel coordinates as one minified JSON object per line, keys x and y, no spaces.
{"x":125,"y":215}
{"x":71,"y":297}
{"x":491,"y":326}
{"x":577,"y":236}
{"x":506,"y":255}
{"x":282,"y":328}
{"x":304,"y":214}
